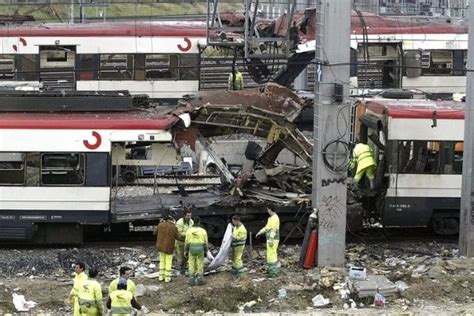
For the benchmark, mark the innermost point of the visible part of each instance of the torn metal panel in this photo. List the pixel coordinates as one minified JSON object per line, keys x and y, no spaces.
{"x":218,"y":162}
{"x":213,"y":120}
{"x":273,"y":98}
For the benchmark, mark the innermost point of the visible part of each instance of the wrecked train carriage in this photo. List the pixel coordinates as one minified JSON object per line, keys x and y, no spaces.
{"x":418,"y":146}
{"x":55,"y":175}
{"x":62,"y":172}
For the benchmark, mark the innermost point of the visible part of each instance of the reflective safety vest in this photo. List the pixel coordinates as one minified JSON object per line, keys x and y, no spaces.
{"x":239,"y":236}
{"x":363,"y":156}
{"x":239,"y":81}
{"x":130,"y":286}
{"x":196,"y":238}
{"x":78,"y":280}
{"x":90,"y":297}
{"x":272,"y":229}
{"x":183,"y":227}
{"x":121,"y":302}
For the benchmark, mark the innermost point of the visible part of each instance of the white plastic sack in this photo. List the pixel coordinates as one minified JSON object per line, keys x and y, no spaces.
{"x":223,"y":254}
{"x":320,"y":301}
{"x":21,"y":304}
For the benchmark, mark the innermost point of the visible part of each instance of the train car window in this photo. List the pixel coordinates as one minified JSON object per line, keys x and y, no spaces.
{"x":161,"y":66}
{"x":32,"y":169}
{"x":139,"y":67}
{"x":54,"y":56}
{"x":138,"y":153}
{"x":440,"y":63}
{"x":27,"y":68}
{"x":116,"y":66}
{"x":62,"y":169}
{"x":97,"y":171}
{"x":12,"y":168}
{"x":459,"y":62}
{"x":188,"y":67}
{"x":87,"y":67}
{"x":425,"y":157}
{"x":458,"y":154}
{"x":7,"y":67}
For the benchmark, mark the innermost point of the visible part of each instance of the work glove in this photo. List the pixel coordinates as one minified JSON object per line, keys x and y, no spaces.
{"x":144,"y":310}
{"x":270,"y":243}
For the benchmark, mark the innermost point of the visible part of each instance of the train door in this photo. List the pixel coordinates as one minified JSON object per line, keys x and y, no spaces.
{"x":57,"y":67}
{"x":379,"y":65}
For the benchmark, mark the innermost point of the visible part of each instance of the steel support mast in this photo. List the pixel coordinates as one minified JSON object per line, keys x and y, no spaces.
{"x":466,"y":220}
{"x":331,"y":128}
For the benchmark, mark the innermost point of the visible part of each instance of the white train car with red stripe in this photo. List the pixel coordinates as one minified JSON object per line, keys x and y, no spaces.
{"x":56,"y":169}
{"x":418,"y":146}
{"x":429,"y":56}
{"x":160,"y":59}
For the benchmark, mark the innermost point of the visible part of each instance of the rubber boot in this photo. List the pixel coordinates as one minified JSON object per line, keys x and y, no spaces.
{"x":271,"y":270}
{"x":372,"y":184}
{"x":199,"y":280}
{"x":192,"y":280}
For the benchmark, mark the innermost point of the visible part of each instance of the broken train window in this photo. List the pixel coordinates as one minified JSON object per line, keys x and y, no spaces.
{"x":62,"y":169}
{"x":12,"y":168}
{"x":426,"y":157}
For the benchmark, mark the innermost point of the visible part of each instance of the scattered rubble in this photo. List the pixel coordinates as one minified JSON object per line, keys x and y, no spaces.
{"x":442,"y":280}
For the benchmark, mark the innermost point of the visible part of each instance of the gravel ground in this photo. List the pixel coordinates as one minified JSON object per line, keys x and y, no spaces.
{"x":437,"y":281}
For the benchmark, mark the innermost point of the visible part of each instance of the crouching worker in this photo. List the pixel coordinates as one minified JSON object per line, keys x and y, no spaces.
{"x":90,"y":296}
{"x":363,"y":158}
{"x":196,"y":248}
{"x":121,"y":301}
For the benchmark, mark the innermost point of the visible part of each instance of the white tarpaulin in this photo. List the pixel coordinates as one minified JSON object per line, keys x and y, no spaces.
{"x":21,"y":304}
{"x":223,"y":254}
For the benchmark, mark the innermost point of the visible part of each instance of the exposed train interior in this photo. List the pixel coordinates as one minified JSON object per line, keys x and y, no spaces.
{"x":418,"y":179}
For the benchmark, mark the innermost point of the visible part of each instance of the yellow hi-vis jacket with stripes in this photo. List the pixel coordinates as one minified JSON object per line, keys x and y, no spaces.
{"x":196,"y":240}
{"x":272,"y":229}
{"x":121,"y":303}
{"x":239,"y":236}
{"x":239,"y":81}
{"x":90,"y":298}
{"x":362,"y":156}
{"x":183,"y":228}
{"x":131,"y":287}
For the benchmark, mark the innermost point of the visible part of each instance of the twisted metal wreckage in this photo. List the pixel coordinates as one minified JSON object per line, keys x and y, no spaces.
{"x":266,"y":113}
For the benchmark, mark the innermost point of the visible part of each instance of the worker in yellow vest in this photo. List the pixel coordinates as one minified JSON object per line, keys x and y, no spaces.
{"x":238,"y":84}
{"x":121,"y":301}
{"x":363,"y":158}
{"x":79,"y":277}
{"x":239,"y":236}
{"x":272,"y":232}
{"x":90,"y":296}
{"x":124,"y":274}
{"x":196,"y":248}
{"x":183,"y":225}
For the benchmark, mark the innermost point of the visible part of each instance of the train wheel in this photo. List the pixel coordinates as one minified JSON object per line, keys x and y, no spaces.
{"x":129,"y":176}
{"x":445,"y":224}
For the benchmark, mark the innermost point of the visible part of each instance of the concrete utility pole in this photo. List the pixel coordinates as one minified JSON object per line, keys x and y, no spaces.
{"x":331,"y":130}
{"x":466,"y":223}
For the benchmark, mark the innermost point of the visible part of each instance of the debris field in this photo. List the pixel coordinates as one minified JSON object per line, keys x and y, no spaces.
{"x":415,"y":277}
